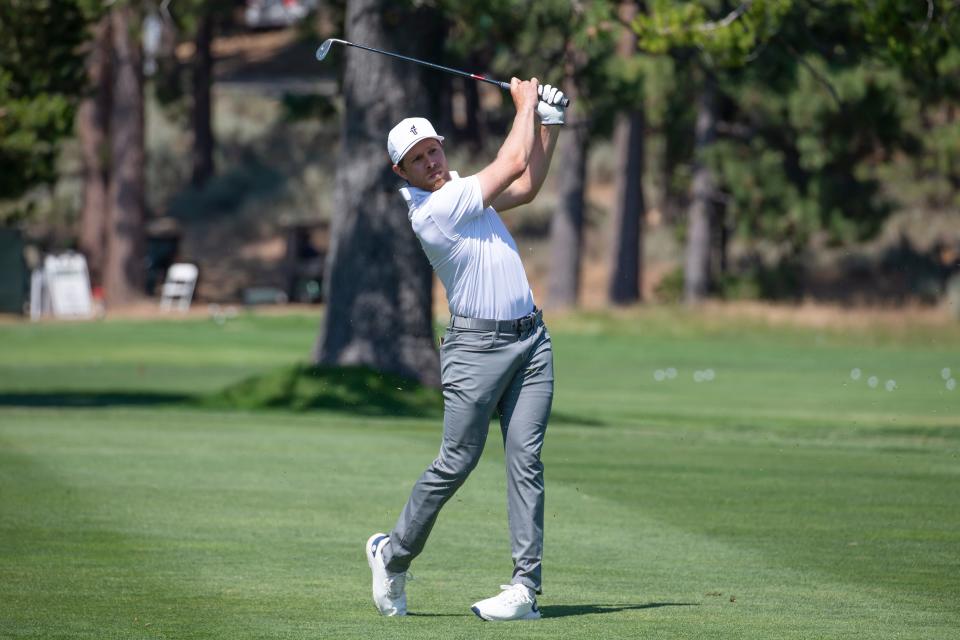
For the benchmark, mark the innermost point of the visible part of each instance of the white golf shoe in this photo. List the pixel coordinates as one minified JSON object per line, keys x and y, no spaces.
{"x":515,"y":602}
{"x":389,"y":589}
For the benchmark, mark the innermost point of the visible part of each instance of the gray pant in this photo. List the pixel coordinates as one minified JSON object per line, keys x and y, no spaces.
{"x":483,"y":371}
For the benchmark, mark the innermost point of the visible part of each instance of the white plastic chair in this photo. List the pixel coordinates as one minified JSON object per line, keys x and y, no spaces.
{"x":177,"y":291}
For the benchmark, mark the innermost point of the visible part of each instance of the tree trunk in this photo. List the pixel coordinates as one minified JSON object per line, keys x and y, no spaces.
{"x":627,"y":225}
{"x":696,"y":273}
{"x":566,"y":226}
{"x":202,"y":126}
{"x":93,"y":122}
{"x":475,"y":130}
{"x":379,"y":283}
{"x":721,"y":239}
{"x":124,"y":270}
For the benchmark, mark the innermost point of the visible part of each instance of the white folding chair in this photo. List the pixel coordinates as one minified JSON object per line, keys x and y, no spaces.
{"x":177,"y":291}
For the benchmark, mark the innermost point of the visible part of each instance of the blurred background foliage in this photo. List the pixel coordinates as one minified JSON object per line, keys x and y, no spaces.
{"x":41,"y":79}
{"x":832,"y":117}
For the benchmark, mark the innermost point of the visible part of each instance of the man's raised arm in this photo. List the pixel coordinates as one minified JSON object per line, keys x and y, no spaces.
{"x":525,"y":188}
{"x":515,"y":153}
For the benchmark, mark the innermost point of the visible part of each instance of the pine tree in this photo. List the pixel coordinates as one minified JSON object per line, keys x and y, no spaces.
{"x":378,"y":285}
{"x":42,"y":79}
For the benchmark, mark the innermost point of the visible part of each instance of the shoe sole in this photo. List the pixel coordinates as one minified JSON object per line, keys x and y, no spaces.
{"x":369,"y":547}
{"x":532,"y":615}
{"x":371,"y":542}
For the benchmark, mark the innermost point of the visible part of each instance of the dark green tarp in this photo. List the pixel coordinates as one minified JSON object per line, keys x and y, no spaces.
{"x":13,"y":272}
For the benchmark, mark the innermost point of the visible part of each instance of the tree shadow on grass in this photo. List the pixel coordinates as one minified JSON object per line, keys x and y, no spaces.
{"x":564,"y":610}
{"x":92,"y":399}
{"x":353,"y":390}
{"x":573,"y":419}
{"x":349,"y":390}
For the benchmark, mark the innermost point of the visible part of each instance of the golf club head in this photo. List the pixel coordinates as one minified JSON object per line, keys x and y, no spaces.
{"x":325,"y":47}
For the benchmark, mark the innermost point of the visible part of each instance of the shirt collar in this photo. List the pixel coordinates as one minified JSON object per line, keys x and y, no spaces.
{"x":413,"y":196}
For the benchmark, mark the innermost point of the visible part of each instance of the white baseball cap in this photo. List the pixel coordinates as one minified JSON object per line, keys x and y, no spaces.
{"x":407,"y":133}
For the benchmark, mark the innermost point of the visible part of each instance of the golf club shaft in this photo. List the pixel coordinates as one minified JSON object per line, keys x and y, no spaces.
{"x":503,"y":85}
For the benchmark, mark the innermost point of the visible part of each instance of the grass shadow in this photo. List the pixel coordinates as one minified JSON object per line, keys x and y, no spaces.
{"x":564,"y":610}
{"x":92,"y":399}
{"x":558,"y":417}
{"x":352,"y":390}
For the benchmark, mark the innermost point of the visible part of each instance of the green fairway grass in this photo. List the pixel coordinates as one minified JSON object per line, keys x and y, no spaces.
{"x":782,"y":499}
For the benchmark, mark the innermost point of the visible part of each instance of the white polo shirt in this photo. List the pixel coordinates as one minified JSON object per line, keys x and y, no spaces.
{"x":470,"y":249}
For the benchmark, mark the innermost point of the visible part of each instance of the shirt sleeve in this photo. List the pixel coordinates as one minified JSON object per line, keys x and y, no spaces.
{"x":456,"y":203}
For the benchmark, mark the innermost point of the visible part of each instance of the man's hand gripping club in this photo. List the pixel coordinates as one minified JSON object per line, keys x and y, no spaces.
{"x":549,"y":108}
{"x":517,"y":174}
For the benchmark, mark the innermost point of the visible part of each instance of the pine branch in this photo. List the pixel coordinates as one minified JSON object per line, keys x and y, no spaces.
{"x":729,"y":19}
{"x":816,"y":74}
{"x":926,"y":24}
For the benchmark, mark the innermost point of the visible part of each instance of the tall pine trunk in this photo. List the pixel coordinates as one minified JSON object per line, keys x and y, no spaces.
{"x":124,"y":270}
{"x":203,"y":142}
{"x":626,"y":272}
{"x":566,"y":226}
{"x":696,"y":273}
{"x":720,"y":242}
{"x":93,"y":132}
{"x":474,"y":133}
{"x":379,"y":283}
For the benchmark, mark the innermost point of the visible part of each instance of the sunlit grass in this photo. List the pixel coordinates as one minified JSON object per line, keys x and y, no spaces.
{"x":782,"y":499}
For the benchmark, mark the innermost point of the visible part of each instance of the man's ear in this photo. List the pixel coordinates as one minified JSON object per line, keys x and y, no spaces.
{"x":400,"y":172}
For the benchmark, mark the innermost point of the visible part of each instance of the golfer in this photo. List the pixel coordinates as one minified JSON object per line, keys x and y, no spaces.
{"x":496,"y":354}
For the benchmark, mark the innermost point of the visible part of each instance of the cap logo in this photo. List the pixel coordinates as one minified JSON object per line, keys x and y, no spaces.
{"x":413,"y":129}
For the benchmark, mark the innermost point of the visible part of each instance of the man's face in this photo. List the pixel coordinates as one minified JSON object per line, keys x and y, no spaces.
{"x":424,"y":166}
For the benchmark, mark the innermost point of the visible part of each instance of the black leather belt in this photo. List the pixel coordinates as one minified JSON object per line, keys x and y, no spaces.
{"x":520,"y":325}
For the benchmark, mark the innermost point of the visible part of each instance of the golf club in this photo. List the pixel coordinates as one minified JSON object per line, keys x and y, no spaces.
{"x":325,"y":48}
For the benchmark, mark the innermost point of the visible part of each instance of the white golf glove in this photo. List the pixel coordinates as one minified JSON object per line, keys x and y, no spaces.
{"x":548,"y":108}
